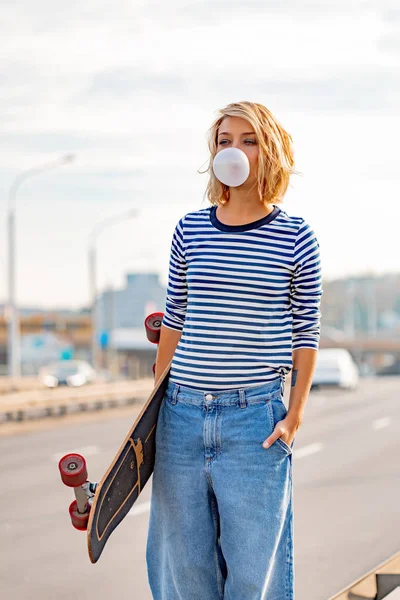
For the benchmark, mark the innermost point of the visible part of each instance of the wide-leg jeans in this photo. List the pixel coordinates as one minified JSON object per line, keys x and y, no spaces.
{"x":221,"y":515}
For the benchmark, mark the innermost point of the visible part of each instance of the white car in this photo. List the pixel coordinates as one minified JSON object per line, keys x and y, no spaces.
{"x":336,"y":367}
{"x":73,"y":373}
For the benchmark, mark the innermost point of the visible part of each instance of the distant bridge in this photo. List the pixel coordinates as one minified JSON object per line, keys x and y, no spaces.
{"x":363,"y":344}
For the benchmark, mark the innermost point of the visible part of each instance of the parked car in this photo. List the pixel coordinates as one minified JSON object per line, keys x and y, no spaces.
{"x":73,"y":373}
{"x":335,"y":367}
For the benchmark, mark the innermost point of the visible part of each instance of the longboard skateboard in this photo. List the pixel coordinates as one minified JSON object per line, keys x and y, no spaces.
{"x":101,"y":507}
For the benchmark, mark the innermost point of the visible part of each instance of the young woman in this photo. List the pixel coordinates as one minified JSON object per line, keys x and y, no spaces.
{"x":242,"y":311}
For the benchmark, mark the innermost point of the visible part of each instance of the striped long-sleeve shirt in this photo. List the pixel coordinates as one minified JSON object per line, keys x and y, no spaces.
{"x":244,"y":297}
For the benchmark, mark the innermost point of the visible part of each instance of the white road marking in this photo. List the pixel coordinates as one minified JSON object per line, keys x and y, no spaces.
{"x":85,"y":451}
{"x":380,"y":423}
{"x":307,"y":450}
{"x":139,"y":509}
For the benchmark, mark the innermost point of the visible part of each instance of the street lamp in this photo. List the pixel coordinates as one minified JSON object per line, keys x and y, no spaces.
{"x":13,"y":342}
{"x":100,"y":227}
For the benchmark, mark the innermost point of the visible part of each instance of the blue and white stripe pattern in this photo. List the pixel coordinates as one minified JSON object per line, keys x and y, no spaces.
{"x":244,"y":297}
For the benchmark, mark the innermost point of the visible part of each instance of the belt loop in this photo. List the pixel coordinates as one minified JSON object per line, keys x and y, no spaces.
{"x":242,"y":397}
{"x":175,"y":394}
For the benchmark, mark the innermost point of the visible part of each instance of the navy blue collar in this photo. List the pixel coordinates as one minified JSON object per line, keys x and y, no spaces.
{"x":247,"y":226}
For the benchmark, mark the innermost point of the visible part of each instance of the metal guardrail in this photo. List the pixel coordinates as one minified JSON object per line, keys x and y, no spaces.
{"x":61,"y":410}
{"x":379,"y":583}
{"x":40,"y":404}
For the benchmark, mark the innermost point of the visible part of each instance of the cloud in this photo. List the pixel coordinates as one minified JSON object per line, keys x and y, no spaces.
{"x":390,"y":42}
{"x":352,"y":90}
{"x":225,"y":10}
{"x":128,"y":81}
{"x":391,"y":15}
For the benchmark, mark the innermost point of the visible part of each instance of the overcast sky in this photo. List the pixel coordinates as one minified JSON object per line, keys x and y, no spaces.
{"x":131,"y":88}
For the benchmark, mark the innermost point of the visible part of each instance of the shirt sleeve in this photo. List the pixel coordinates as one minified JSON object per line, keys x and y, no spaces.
{"x":176,"y":300}
{"x":306,"y":290}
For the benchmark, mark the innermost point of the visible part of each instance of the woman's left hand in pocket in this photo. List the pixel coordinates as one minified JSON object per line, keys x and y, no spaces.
{"x":285,"y":429}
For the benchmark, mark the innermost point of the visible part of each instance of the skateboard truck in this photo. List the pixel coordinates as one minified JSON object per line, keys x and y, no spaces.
{"x":73,"y":473}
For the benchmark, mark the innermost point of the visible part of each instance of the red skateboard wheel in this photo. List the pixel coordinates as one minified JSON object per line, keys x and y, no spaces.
{"x":73,"y":470}
{"x":79,"y":521}
{"x":152,"y":324}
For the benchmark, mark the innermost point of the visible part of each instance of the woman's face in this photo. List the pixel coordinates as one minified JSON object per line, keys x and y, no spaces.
{"x":235,"y":132}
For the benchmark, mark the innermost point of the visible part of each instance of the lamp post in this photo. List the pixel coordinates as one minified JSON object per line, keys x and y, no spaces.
{"x":100,"y":227}
{"x":13,"y":342}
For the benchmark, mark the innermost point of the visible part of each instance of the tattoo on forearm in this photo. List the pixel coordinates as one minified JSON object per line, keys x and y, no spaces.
{"x":294,"y":377}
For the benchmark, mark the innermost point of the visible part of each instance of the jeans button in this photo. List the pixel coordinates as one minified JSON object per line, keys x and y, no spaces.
{"x":209,"y":397}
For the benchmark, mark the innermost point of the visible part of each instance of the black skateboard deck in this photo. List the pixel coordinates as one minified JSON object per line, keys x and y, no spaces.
{"x":127,"y":475}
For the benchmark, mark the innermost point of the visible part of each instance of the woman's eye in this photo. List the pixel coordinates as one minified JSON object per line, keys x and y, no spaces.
{"x":249,"y":142}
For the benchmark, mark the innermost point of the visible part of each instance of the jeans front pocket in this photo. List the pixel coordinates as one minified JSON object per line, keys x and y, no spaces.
{"x":278,"y":411}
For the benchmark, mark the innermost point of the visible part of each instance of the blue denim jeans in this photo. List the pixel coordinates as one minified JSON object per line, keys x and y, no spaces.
{"x":221,"y":515}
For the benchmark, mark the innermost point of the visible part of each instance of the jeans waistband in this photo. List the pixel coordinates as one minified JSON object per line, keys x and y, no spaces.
{"x":271,"y":389}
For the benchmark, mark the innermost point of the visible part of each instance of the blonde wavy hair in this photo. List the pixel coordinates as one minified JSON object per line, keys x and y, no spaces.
{"x":275,"y":158}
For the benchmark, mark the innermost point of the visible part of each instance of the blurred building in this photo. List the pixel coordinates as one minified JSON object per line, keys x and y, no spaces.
{"x":48,"y":335}
{"x":120,"y":323}
{"x":365,"y":305}
{"x":128,"y":307}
